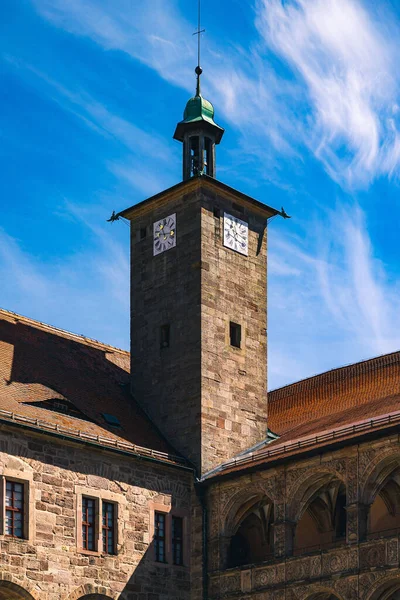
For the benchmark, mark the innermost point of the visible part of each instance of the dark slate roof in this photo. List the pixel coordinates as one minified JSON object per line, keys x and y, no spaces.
{"x":44,"y":369}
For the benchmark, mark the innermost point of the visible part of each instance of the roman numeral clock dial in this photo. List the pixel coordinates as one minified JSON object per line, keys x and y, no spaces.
{"x":236,"y":234}
{"x":164,"y":234}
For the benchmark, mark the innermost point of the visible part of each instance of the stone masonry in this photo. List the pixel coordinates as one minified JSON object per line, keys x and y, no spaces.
{"x":51,"y":564}
{"x":360,"y":567}
{"x":208,"y":398}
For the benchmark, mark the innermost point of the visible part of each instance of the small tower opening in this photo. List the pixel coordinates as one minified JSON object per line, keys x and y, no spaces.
{"x":235,"y":334}
{"x":194,"y":156}
{"x":207,"y":156}
{"x":165,"y":336}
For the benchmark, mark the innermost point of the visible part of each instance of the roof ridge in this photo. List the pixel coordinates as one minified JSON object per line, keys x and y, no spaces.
{"x":46,"y":326}
{"x":362,"y":367}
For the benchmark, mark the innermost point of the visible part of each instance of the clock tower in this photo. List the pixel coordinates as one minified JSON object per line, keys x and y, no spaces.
{"x":198,"y":304}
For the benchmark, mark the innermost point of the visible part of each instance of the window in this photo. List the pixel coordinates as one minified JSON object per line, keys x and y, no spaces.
{"x":111,"y":420}
{"x":143,"y":233}
{"x":177,"y":540}
{"x":168,"y":530}
{"x":59,"y":405}
{"x":88,"y":523}
{"x":108,"y":528}
{"x":14,"y":505}
{"x":164,"y":336}
{"x":235,"y":334}
{"x":159,"y":536}
{"x":98,"y":522}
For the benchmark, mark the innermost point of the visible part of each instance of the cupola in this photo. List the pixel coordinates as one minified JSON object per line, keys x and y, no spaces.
{"x":199,"y":134}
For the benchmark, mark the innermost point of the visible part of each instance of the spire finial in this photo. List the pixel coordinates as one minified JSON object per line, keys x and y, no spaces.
{"x":198,"y":70}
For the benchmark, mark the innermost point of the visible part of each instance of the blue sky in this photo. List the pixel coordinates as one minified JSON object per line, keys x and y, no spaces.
{"x":308,"y":92}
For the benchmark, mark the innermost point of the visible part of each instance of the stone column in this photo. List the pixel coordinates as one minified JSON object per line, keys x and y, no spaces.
{"x":283,"y":538}
{"x":224,"y":543}
{"x":357,"y":521}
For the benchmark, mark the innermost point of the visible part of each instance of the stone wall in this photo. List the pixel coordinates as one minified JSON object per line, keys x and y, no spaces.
{"x":165,"y":289}
{"x":207,"y":397}
{"x":233,"y":288}
{"x":360,"y":566}
{"x":51,"y":564}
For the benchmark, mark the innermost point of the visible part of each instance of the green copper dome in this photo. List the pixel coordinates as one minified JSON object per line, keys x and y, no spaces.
{"x":199,"y":113}
{"x":198,"y":109}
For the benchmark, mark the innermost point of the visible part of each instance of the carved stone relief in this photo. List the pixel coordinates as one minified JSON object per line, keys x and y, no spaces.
{"x":392,"y":552}
{"x":230,"y":583}
{"x":372,"y":555}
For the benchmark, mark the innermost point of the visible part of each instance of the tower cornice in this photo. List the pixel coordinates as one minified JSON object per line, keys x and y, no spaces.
{"x":191,"y":185}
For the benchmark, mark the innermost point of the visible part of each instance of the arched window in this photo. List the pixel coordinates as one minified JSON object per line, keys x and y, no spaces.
{"x":322,"y":521}
{"x":252,"y":541}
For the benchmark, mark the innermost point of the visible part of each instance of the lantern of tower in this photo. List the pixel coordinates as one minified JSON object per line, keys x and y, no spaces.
{"x":199,"y":134}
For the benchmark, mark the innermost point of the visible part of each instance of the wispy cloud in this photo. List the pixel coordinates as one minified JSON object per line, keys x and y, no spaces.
{"x":140,"y":145}
{"x":94,"y":298}
{"x":332,"y":300}
{"x":244,"y":88}
{"x":342,"y":101}
{"x":347,"y":61}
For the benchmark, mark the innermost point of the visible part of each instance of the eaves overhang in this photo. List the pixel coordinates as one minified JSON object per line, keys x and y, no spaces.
{"x":196,"y":183}
{"x":101,"y":442}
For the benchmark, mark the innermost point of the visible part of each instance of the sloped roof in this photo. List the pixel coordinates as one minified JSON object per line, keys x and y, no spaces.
{"x":335,"y":406}
{"x":40,"y":364}
{"x":338,"y":397}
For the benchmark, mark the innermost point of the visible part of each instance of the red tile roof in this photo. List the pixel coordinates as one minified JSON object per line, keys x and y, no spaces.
{"x":39,"y":363}
{"x":337,"y":397}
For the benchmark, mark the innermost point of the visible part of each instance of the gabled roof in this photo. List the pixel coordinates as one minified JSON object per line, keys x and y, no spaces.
{"x":49,"y":376}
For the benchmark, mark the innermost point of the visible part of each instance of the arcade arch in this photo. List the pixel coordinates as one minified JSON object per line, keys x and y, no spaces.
{"x":94,"y":597}
{"x":319,"y":512}
{"x":382,"y":496}
{"x":12,"y":591}
{"x":251,"y":539}
{"x":389,"y":589}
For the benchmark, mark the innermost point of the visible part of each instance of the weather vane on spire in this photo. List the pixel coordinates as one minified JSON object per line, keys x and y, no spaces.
{"x":198,"y":69}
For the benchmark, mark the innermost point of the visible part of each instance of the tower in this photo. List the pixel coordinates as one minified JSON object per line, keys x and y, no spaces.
{"x":198,"y":304}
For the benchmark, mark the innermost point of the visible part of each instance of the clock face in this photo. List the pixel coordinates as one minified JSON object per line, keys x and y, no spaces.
{"x":236,"y":234}
{"x":164,"y":232}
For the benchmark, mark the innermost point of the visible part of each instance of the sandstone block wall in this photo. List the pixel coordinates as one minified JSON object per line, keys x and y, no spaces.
{"x":207,"y":397}
{"x":165,"y":289}
{"x":233,"y":288}
{"x":51,"y":564}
